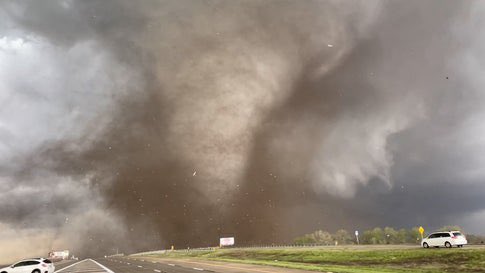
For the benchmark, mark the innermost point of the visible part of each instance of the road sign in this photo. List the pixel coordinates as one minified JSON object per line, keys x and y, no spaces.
{"x":356,"y":233}
{"x":63,"y":255}
{"x":421,"y":231}
{"x":357,"y":236}
{"x":229,"y":241}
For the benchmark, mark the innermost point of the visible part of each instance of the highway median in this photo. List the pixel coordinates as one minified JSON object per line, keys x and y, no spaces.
{"x":345,"y":259}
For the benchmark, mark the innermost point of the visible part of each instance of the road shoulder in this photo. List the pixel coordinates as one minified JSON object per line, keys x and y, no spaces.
{"x":221,"y":266}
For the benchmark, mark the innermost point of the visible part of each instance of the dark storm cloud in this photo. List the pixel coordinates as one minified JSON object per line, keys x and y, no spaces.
{"x":177,"y":122}
{"x":383,"y":80}
{"x":382,"y":99}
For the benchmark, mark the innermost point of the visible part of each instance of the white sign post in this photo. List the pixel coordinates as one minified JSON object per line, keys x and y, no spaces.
{"x":357,"y":236}
{"x":228,"y":241}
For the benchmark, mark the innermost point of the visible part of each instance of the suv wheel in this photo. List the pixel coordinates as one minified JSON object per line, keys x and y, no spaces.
{"x":425,"y":245}
{"x":36,"y":271}
{"x":447,"y":245}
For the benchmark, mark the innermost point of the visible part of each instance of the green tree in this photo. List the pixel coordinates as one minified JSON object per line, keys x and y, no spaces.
{"x":450,"y":228}
{"x":402,"y":236}
{"x":304,"y":240}
{"x":391,"y":236}
{"x":374,"y":236}
{"x":413,"y":236}
{"x":475,"y":239}
{"x":322,"y":237}
{"x":366,"y":237}
{"x":378,"y":236}
{"x":343,"y":237}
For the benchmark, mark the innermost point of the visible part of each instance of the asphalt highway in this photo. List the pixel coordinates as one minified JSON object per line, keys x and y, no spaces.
{"x":155,"y":265}
{"x":139,"y":264}
{"x":58,"y":265}
{"x":123,"y":265}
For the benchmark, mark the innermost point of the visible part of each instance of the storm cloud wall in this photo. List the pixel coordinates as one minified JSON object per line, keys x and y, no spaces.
{"x":143,"y":126}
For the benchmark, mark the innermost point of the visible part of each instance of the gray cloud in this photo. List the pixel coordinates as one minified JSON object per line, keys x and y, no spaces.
{"x":176,"y":122}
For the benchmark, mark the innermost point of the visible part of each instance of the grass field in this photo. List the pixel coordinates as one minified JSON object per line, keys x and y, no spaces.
{"x":351,"y":260}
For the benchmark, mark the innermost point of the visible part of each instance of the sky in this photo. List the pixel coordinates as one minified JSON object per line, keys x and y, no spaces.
{"x":135,"y":126}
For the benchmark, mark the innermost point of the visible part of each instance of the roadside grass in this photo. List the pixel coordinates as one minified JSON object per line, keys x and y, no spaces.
{"x":348,"y":260}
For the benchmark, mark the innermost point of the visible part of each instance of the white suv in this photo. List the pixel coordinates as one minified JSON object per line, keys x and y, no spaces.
{"x":444,"y":238}
{"x":34,"y":265}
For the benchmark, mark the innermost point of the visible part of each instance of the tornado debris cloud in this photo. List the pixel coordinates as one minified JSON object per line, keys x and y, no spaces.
{"x":130,"y":126}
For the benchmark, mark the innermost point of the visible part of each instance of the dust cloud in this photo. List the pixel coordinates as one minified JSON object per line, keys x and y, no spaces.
{"x":134,"y":126}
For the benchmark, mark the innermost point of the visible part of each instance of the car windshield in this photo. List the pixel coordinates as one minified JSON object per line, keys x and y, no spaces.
{"x":47,"y":261}
{"x":457,"y":234}
{"x":22,"y":263}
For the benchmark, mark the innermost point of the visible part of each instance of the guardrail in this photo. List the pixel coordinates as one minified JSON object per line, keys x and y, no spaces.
{"x":241,"y":247}
{"x":276,"y":246}
{"x":149,"y":252}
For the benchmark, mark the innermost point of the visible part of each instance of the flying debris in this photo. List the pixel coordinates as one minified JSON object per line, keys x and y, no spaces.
{"x":237,"y":89}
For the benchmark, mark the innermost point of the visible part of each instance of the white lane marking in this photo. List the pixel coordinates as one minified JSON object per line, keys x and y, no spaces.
{"x":69,"y":266}
{"x":127,"y":263}
{"x":100,"y":270}
{"x":154,"y":262}
{"x":171,"y":264}
{"x":196,"y":268}
{"x":102,"y":266}
{"x":87,"y":270}
{"x":156,"y":270}
{"x":140,"y":266}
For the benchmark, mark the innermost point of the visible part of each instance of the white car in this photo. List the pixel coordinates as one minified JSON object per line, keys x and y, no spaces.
{"x":34,"y":265}
{"x":444,"y":238}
